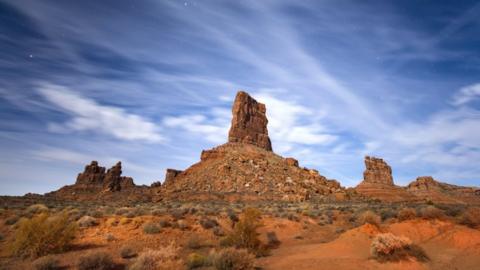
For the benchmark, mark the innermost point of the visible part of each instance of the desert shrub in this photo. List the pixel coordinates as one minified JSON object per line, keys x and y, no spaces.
{"x":110,"y":237}
{"x":122,"y":211}
{"x":388,"y":247}
{"x":99,"y":260}
{"x":42,"y":235}
{"x":125,"y":220}
{"x":87,"y":221}
{"x":46,"y":263}
{"x":151,"y":228}
{"x":245,"y":235}
{"x":293,"y":217}
{"x":127,"y":252}
{"x":164,"y":223}
{"x":386,"y":214}
{"x":37,"y":209}
{"x":194,"y":242}
{"x":218,"y":231}
{"x":12,"y":220}
{"x":369,"y":217}
{"x":181,"y":224}
{"x":164,"y":258}
{"x":453,"y":210}
{"x":431,"y":212}
{"x":195,"y":260}
{"x":178,"y":214}
{"x":96,"y":214}
{"x":233,"y":259}
{"x":406,"y":214}
{"x":272,"y":240}
{"x":208,"y":223}
{"x":471,"y":217}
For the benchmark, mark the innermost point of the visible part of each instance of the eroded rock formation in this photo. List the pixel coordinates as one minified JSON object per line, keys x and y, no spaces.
{"x":429,"y":189}
{"x":249,"y":122}
{"x":377,"y":171}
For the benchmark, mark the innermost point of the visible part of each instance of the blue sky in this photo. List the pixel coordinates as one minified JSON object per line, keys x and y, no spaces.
{"x":151,"y":83}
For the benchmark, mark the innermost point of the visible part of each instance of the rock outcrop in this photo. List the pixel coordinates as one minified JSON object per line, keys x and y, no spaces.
{"x":249,"y":122}
{"x":245,"y":168}
{"x":377,"y":171}
{"x":378,"y":183}
{"x":428,"y":189}
{"x":95,"y":183}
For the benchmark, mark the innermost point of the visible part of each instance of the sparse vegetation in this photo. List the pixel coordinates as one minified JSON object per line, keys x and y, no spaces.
{"x":127,"y":252}
{"x":406,"y":214}
{"x":42,"y":235}
{"x":36,"y":209}
{"x":245,"y":235}
{"x":431,"y":212}
{"x":162,"y":259}
{"x":87,"y":221}
{"x":272,"y":239}
{"x":233,"y":259}
{"x":471,"y":217}
{"x":195,"y":260}
{"x":388,"y":247}
{"x":151,"y":228}
{"x":369,"y":217}
{"x":208,"y":223}
{"x":99,"y":260}
{"x":194,"y":242}
{"x":46,"y":263}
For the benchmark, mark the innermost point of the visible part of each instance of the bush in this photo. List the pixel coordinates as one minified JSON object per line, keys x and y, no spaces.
{"x":164,"y":258}
{"x":194,"y":242}
{"x":195,"y":260}
{"x":12,"y":220}
{"x":245,"y":235}
{"x":369,"y":217}
{"x":164,"y":223}
{"x":431,"y":212}
{"x":233,"y":259}
{"x":43,"y":235}
{"x":151,"y":228}
{"x":95,"y":261}
{"x":127,"y":252}
{"x":272,"y":239}
{"x":471,"y":217}
{"x":37,"y":209}
{"x":46,"y":263}
{"x":208,"y":223}
{"x":406,"y":214}
{"x":87,"y":221}
{"x":388,"y":247}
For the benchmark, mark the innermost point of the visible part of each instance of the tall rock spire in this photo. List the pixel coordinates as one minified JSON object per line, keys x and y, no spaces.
{"x":249,"y":123}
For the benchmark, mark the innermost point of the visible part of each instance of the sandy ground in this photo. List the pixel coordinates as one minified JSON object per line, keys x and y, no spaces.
{"x":304,"y":244}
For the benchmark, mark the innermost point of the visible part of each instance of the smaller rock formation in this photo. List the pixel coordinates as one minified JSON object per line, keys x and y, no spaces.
{"x":291,"y":162}
{"x":114,"y":181}
{"x":249,"y":123}
{"x":93,"y":174}
{"x":378,"y":183}
{"x":170,"y":175}
{"x":428,"y":189}
{"x":377,"y":171}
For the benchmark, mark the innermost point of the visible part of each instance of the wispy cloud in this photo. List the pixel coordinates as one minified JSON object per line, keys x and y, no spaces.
{"x":467,"y":94}
{"x":87,"y":115}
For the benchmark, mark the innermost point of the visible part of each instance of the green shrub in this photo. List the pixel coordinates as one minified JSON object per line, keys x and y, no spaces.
{"x":406,"y":214}
{"x":42,"y":235}
{"x":95,"y":261}
{"x":46,"y":263}
{"x":233,"y":259}
{"x":151,"y":228}
{"x":195,"y":260}
{"x":245,"y":235}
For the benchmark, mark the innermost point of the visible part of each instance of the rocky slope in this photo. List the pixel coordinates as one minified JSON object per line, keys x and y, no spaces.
{"x":428,"y":189}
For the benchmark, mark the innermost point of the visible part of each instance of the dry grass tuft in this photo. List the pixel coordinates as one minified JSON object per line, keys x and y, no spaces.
{"x":161,"y":259}
{"x":46,"y":263}
{"x":96,"y":261}
{"x":233,"y":259}
{"x":369,"y":217}
{"x":42,"y":235}
{"x":471,"y":217}
{"x":431,"y":212}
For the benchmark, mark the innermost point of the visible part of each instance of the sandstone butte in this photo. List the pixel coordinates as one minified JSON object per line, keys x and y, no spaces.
{"x":246,"y":168}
